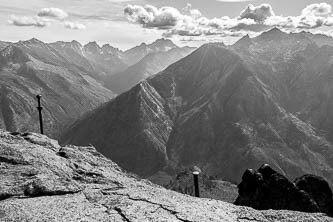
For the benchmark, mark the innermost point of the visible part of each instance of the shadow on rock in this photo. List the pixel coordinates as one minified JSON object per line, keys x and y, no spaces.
{"x":267,"y":189}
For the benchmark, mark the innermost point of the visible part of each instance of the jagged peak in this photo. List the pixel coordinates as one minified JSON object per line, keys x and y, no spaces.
{"x":109,"y":48}
{"x":14,"y":53}
{"x":10,"y":49}
{"x":138,"y":47}
{"x":93,"y":44}
{"x":272,"y":34}
{"x":163,"y":42}
{"x":33,"y":41}
{"x":275,"y":30}
{"x":74,"y":42}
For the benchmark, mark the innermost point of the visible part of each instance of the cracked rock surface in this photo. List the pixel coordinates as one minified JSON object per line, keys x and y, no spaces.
{"x":41,"y":181}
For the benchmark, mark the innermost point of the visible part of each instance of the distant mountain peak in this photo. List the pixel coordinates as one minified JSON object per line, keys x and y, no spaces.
{"x":33,"y":41}
{"x":14,"y":54}
{"x":135,"y":54}
{"x":273,"y":34}
{"x":162,"y":39}
{"x":163,"y":42}
{"x":107,"y":48}
{"x":275,"y":30}
{"x":92,"y":45}
{"x":245,"y":38}
{"x":245,"y":41}
{"x":74,"y":42}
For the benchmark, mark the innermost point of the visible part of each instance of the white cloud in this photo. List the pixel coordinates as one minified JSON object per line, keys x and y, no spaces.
{"x":28,"y":21}
{"x":53,"y":12}
{"x":74,"y":25}
{"x":188,"y":10}
{"x":319,"y":9}
{"x":150,"y":16}
{"x":45,"y":17}
{"x":191,"y":22}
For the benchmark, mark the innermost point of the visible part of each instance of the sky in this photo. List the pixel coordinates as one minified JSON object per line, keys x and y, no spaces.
{"x":126,"y":23}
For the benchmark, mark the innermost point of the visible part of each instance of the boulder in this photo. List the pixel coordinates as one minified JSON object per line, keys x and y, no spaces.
{"x":319,"y":191}
{"x":267,"y":189}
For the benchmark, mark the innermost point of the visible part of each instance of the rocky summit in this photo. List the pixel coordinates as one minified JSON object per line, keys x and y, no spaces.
{"x":42,"y":181}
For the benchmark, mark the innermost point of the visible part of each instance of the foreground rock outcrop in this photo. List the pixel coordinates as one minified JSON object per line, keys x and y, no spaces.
{"x":268,"y":189}
{"x":41,"y":181}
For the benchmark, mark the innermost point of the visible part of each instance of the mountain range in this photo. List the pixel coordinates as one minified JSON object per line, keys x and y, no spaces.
{"x":72,"y":78}
{"x":225,"y":109}
{"x":146,"y":67}
{"x":32,"y":67}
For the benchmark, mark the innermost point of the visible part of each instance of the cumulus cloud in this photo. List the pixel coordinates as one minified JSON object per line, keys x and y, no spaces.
{"x":258,"y":14}
{"x":191,"y":22}
{"x":255,"y":19}
{"x":45,"y":17}
{"x":188,"y":10}
{"x":28,"y":21}
{"x":319,"y":9}
{"x":53,"y":12}
{"x":150,"y":16}
{"x":74,"y":25}
{"x":313,"y":16}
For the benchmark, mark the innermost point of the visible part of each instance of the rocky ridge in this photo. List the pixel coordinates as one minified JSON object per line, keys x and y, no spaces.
{"x":41,"y":181}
